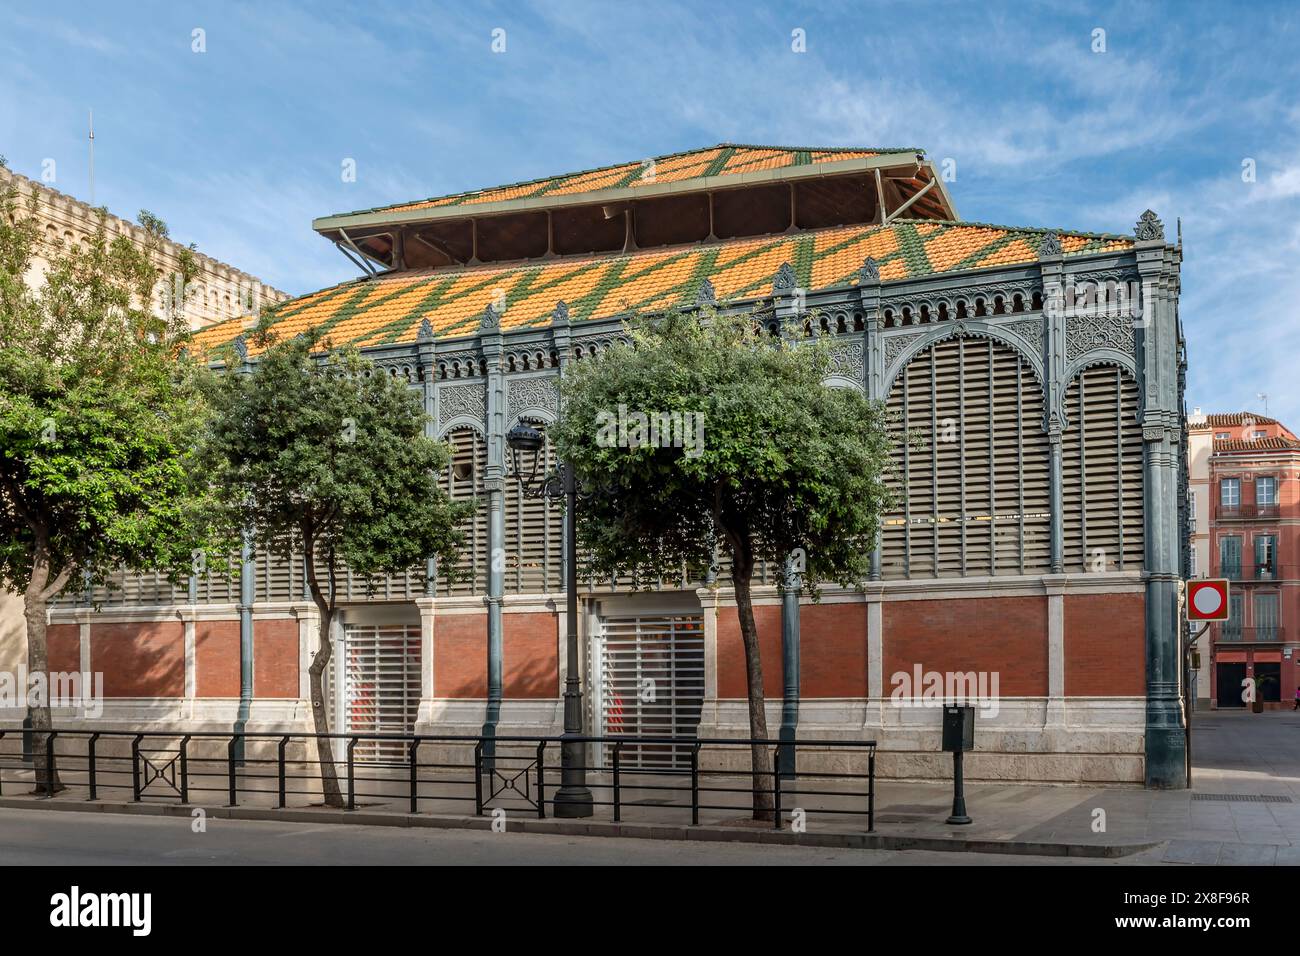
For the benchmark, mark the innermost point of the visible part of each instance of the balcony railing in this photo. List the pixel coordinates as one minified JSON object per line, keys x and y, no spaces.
{"x":1247,"y":574}
{"x":1243,"y":512}
{"x":1247,"y":635}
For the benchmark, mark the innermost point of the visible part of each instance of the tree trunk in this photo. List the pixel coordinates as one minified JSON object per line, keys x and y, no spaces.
{"x":38,"y":662}
{"x":761,"y":758}
{"x":329,"y":775}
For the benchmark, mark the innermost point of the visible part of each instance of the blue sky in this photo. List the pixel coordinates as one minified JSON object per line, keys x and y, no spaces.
{"x":239,"y":147}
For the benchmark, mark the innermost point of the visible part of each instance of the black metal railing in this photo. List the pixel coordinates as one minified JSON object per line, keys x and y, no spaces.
{"x":452,"y":773}
{"x":1259,"y":634}
{"x":1236,"y":512}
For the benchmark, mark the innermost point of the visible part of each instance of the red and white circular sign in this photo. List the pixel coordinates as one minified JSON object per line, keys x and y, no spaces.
{"x":1207,"y":600}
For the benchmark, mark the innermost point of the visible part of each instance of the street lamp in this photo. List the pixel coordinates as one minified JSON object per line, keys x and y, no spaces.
{"x":527,"y":449}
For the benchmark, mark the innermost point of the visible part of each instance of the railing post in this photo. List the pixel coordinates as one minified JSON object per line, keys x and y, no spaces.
{"x":185,"y":769}
{"x":695,"y":785}
{"x":50,"y":770}
{"x":284,"y":742}
{"x":135,"y":767}
{"x":541,"y":780}
{"x":412,"y":755}
{"x":871,"y":790}
{"x":478,"y":778}
{"x":2,"y":789}
{"x":352,"y":773}
{"x":90,"y":763}
{"x":776,"y":787}
{"x":618,"y":801}
{"x":230,"y":771}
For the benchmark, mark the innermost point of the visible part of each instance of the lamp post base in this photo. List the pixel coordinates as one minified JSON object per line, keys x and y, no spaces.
{"x":572,"y":803}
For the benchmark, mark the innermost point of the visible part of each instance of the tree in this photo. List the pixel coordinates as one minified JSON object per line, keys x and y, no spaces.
{"x":99,"y":412}
{"x":327,"y":457}
{"x":703,"y":429}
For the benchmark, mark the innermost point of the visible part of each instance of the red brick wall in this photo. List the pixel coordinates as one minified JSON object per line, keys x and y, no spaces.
{"x":63,"y":647}
{"x":530,"y":665}
{"x":275,"y":658}
{"x":216,"y":659}
{"x":140,"y":659}
{"x":731,"y":652}
{"x":460,"y":655}
{"x":832,"y":650}
{"x":1004,"y":635}
{"x":1105,"y":645}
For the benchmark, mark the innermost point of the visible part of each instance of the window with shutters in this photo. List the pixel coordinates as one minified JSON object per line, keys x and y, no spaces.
{"x":1101,"y":473}
{"x":1230,"y":556}
{"x":972,"y":461}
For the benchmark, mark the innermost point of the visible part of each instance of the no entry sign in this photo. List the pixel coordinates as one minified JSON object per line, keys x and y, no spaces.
{"x":1207,"y":600}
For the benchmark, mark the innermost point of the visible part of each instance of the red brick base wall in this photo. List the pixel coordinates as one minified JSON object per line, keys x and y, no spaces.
{"x":530,"y":663}
{"x":140,"y":660}
{"x":216,"y":659}
{"x":275,"y":658}
{"x":1007,"y":636}
{"x":1105,"y":645}
{"x":460,"y":655}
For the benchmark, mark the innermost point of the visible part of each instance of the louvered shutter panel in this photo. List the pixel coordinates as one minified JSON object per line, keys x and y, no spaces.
{"x":462,"y":481}
{"x":973,"y":479}
{"x":1101,"y":473}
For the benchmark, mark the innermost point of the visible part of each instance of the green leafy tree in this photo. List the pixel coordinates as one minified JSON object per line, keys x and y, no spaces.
{"x":328,"y":458}
{"x":778,"y":466}
{"x":99,"y":412}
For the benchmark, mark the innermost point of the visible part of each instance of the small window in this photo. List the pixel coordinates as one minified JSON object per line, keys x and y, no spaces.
{"x":1230,"y":492}
{"x":1265,"y":491}
{"x":1223,"y":434}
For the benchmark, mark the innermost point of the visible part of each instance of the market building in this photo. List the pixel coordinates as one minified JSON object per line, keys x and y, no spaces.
{"x":1038,"y":546}
{"x":1254,"y":543}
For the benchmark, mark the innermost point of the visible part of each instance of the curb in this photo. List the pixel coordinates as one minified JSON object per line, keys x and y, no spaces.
{"x":639,"y":831}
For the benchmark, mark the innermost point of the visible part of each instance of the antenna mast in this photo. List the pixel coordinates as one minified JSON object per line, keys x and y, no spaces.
{"x":92,"y":158}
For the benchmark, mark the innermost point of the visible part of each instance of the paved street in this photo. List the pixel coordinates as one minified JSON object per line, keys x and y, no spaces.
{"x":1245,"y":808}
{"x":30,"y":837}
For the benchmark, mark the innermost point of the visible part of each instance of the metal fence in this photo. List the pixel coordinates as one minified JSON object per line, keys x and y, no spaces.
{"x":448,"y":774}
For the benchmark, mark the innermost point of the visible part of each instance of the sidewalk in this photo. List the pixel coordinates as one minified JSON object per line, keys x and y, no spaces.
{"x":1244,"y":808}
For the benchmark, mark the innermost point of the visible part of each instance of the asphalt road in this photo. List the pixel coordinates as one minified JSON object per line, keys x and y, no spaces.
{"x":62,"y":838}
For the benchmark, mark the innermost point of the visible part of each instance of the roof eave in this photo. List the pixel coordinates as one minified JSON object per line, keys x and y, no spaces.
{"x":390,"y":217}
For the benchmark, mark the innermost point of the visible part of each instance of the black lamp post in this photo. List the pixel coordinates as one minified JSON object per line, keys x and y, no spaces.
{"x":527,"y":446}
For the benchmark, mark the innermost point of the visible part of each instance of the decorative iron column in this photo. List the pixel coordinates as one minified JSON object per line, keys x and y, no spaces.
{"x":873,"y":362}
{"x":1052,"y":267}
{"x":246,"y":571}
{"x":428,"y":349}
{"x":246,"y":599}
{"x":1162,"y":424}
{"x":790,"y":584}
{"x":494,"y":482}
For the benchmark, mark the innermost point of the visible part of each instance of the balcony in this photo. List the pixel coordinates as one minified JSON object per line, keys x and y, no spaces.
{"x":1250,"y":635}
{"x":1245,"y":512}
{"x":1246,"y":574}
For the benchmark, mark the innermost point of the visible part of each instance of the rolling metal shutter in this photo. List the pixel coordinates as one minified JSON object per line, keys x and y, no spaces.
{"x":650,"y":675}
{"x":380,"y":692}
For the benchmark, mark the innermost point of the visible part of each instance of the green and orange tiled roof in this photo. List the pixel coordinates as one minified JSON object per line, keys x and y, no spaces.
{"x":390,"y":308}
{"x":725,"y":159}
